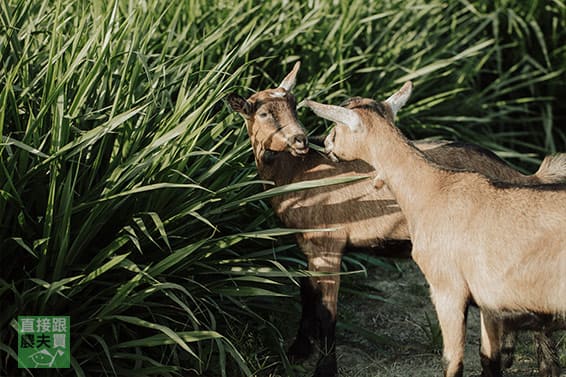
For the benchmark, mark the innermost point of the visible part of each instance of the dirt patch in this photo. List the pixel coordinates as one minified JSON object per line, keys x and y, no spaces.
{"x":399,"y":334}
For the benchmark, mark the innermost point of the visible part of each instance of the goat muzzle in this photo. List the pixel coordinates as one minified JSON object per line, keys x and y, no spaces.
{"x":329,"y":145}
{"x":299,"y":145}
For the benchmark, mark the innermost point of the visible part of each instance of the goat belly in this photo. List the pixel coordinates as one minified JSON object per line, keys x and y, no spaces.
{"x":514,"y":291}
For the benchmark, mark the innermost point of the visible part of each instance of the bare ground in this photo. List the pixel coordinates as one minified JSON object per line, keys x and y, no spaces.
{"x":399,"y":336}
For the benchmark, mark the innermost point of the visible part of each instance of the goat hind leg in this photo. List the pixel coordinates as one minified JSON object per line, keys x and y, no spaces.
{"x":547,"y":354}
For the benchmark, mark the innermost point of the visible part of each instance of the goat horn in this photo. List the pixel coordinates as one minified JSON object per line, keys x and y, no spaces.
{"x":290,"y":80}
{"x":336,"y":114}
{"x":399,"y":99}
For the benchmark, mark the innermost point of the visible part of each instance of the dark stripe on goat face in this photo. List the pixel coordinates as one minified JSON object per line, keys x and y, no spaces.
{"x":269,"y":99}
{"x":275,"y":107}
{"x":366,"y":104}
{"x":353,"y":101}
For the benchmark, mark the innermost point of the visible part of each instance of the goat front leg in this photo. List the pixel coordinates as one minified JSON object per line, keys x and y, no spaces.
{"x":492,"y":333}
{"x":451,"y":310}
{"x":326,"y":310}
{"x":302,"y":346}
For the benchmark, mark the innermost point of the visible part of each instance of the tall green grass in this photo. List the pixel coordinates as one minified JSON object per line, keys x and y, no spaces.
{"x":128,"y":192}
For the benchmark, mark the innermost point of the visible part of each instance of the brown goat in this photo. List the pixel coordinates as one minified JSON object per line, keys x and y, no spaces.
{"x":365,"y":217}
{"x":500,"y":245}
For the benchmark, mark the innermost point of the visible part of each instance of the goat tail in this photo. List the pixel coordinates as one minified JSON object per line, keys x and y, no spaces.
{"x":552,"y":169}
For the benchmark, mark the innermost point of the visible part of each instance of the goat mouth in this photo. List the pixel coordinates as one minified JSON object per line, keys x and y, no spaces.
{"x":299,"y":152}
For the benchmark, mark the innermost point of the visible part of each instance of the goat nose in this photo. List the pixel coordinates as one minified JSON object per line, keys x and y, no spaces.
{"x":299,"y":141}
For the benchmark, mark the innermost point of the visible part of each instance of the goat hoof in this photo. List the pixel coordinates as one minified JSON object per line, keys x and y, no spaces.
{"x":326,"y":367}
{"x":299,"y":350}
{"x":507,"y":360}
{"x":490,"y":367}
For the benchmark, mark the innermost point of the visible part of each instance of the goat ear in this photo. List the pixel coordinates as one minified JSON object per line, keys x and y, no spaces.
{"x":239,"y":104}
{"x":399,"y":99}
{"x":290,"y":80}
{"x":336,"y":114}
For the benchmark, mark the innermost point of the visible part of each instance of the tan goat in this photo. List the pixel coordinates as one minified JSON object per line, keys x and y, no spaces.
{"x":366,"y":218}
{"x":500,"y":245}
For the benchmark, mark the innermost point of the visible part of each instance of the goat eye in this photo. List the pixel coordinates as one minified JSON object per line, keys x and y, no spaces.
{"x":263,"y":114}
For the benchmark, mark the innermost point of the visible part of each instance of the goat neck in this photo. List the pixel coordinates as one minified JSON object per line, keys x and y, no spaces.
{"x":365,"y":130}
